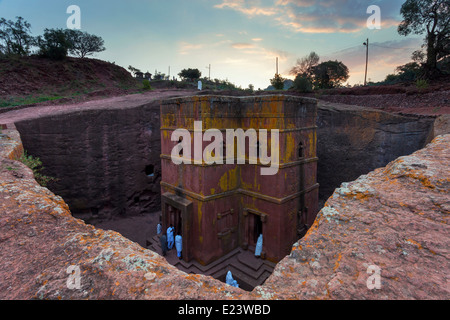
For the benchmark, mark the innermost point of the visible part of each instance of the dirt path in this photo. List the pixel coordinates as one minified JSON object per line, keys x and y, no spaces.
{"x":120,"y":102}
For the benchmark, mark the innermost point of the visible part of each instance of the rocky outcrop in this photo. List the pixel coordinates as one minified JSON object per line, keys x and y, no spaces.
{"x":354,"y":140}
{"x":395,"y":218}
{"x":442,"y":125}
{"x":10,"y":142}
{"x":40,"y":240}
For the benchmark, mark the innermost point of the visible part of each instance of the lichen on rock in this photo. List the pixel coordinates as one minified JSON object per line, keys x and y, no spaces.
{"x":395,"y":218}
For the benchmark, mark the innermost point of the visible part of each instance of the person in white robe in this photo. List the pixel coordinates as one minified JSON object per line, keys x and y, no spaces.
{"x":230,"y":281}
{"x":259,"y":246}
{"x":158,"y":229}
{"x":170,"y":238}
{"x":179,"y":245}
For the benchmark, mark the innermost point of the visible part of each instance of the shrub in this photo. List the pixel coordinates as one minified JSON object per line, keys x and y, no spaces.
{"x":302,"y":84}
{"x":277,"y":82}
{"x":391,"y":79}
{"x":421,"y":84}
{"x":410,"y":72}
{"x":35,"y":164}
{"x":146,"y":84}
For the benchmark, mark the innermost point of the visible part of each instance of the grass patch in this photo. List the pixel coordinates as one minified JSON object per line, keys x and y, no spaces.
{"x":22,"y":101}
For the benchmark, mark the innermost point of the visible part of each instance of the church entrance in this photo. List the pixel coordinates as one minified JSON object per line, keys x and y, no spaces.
{"x":177,"y":211}
{"x":257,"y":228}
{"x":175,"y":219}
{"x":254,"y":227}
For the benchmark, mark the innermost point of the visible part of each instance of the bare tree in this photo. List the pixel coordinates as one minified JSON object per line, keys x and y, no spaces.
{"x":305,"y":65}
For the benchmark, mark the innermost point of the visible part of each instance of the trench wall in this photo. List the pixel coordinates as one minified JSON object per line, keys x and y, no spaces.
{"x":107,"y":162}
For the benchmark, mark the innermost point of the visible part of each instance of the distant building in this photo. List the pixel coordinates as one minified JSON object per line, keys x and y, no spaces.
{"x":139,"y":75}
{"x":148,"y":76}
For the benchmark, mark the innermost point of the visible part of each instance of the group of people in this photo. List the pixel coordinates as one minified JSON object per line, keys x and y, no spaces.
{"x":168,"y":240}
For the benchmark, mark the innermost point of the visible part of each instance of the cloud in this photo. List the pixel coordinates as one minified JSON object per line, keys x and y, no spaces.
{"x":242,"y":45}
{"x":322,"y":16}
{"x":250,"y":8}
{"x":186,"y":47}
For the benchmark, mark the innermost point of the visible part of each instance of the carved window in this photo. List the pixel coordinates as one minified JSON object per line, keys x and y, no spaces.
{"x":301,"y":150}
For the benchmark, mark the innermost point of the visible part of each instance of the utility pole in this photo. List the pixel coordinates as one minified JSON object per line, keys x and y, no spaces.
{"x":169,"y":72}
{"x":277,"y":65}
{"x":367,"y":59}
{"x":209,"y":77}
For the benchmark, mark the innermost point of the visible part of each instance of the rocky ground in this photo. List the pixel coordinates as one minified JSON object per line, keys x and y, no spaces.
{"x":136,"y":228}
{"x":394,"y":220}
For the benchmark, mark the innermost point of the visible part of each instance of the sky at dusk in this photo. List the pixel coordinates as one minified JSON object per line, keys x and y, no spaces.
{"x":241,"y":39}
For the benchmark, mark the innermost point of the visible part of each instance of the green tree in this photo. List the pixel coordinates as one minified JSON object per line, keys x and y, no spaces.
{"x":15,"y":37}
{"x":277,"y":82}
{"x":330,"y":74}
{"x":431,"y":17}
{"x":409,"y":72}
{"x":134,"y":70}
{"x":190,"y":74}
{"x":159,"y":75}
{"x":54,"y":44}
{"x":84,"y":44}
{"x":303,"y":83}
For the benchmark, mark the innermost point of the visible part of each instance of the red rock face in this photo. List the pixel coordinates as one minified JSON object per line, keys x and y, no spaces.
{"x":395,"y":218}
{"x":40,"y":240}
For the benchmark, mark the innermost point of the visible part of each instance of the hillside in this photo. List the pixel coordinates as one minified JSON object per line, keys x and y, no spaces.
{"x":30,"y":80}
{"x":404,"y":98}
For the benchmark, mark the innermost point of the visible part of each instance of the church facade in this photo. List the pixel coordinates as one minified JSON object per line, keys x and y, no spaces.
{"x":220,"y":207}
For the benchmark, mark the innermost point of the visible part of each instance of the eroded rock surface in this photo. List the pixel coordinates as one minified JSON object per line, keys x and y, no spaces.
{"x":395,"y":218}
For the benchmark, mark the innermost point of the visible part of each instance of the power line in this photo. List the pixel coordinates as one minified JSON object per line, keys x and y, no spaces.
{"x":339,"y":50}
{"x":367,"y":60}
{"x":386,"y":47}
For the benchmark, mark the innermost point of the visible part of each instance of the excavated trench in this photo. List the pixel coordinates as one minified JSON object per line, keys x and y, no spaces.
{"x":108,"y":168}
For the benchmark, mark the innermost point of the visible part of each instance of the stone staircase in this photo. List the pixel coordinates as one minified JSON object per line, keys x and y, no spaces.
{"x":248,"y":270}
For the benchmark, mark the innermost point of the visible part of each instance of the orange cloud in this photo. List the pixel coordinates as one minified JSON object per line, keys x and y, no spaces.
{"x":247,"y":9}
{"x":242,"y":45}
{"x":325,"y":16}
